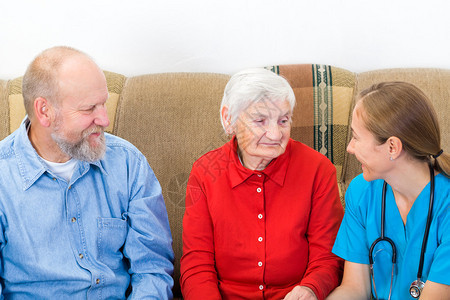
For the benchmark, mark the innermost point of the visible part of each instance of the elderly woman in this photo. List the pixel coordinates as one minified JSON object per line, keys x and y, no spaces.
{"x":395,"y":236}
{"x":262,"y":211}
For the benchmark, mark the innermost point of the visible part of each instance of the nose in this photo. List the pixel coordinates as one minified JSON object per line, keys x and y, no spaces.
{"x":101,"y":119}
{"x":350,"y":147}
{"x":273,"y":131}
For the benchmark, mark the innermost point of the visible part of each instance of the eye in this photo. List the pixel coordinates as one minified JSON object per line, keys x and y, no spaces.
{"x":283,"y":121}
{"x":88,"y":109}
{"x":259,"y":121}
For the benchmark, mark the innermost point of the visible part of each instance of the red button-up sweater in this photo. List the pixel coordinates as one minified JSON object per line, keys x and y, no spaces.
{"x":257,"y":234}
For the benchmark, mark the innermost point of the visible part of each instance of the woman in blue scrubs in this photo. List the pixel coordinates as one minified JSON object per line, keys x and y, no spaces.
{"x":396,"y":138}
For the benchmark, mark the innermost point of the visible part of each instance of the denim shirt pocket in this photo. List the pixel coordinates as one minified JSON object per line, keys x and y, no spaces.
{"x":112,"y":233}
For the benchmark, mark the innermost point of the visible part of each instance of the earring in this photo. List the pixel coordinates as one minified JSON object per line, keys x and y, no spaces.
{"x":391,"y":159}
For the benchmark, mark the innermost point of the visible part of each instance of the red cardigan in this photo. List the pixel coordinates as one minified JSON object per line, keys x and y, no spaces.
{"x":257,"y":234}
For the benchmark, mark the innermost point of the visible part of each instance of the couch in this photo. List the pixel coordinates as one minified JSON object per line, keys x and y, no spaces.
{"x":173,"y":118}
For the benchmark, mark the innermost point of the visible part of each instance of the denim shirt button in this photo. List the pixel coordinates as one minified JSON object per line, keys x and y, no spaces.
{"x":73,"y":220}
{"x":81,"y":255}
{"x":97,"y":281}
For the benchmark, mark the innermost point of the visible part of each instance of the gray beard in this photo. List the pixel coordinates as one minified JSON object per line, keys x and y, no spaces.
{"x":81,"y":150}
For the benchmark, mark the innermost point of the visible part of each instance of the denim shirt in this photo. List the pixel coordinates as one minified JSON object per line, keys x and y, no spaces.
{"x":94,"y":237}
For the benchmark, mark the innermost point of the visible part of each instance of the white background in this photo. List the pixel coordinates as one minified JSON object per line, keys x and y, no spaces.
{"x":134,"y":37}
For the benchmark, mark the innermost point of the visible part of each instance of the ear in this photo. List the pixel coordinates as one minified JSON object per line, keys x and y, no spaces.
{"x":395,"y":147}
{"x":42,"y":111}
{"x":226,"y":120}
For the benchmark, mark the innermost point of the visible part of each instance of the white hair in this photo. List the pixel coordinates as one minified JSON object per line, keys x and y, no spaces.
{"x":253,"y":85}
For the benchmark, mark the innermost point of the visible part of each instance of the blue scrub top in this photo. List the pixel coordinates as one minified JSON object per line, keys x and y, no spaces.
{"x":361,"y":226}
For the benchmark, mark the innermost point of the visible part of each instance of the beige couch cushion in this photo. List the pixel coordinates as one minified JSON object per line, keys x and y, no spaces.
{"x":173,"y":119}
{"x":15,"y":104}
{"x":4,"y":128}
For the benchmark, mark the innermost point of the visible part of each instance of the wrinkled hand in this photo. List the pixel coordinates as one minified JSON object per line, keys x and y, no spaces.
{"x":300,"y":293}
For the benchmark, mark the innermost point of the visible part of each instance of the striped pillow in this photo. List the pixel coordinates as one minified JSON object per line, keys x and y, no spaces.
{"x":324,"y":98}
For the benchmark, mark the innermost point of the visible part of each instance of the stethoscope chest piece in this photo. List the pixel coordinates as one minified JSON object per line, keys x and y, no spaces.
{"x":416,"y":288}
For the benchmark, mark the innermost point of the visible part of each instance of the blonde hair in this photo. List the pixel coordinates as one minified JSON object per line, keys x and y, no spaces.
{"x":402,"y":110}
{"x":41,"y":76}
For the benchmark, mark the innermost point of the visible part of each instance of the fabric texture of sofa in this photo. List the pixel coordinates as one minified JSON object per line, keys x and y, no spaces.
{"x":173,"y":118}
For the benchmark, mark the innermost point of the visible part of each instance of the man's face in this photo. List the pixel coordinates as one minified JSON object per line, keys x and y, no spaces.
{"x":86,"y":145}
{"x":80,"y":115}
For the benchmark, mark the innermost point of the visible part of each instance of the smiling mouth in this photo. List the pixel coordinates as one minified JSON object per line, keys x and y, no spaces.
{"x":94,"y":136}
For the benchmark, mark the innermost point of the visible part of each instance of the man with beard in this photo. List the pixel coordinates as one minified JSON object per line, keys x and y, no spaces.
{"x":81,"y":211}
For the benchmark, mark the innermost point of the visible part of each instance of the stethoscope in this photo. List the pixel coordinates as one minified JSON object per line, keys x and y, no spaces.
{"x":417,"y":286}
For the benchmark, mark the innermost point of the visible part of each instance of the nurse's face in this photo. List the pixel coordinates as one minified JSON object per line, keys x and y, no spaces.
{"x":373,"y":156}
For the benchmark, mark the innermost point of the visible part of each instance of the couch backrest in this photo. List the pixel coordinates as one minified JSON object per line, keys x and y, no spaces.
{"x":4,"y":109}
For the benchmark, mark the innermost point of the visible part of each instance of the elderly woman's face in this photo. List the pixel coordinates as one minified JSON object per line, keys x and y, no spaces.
{"x":263,"y":129}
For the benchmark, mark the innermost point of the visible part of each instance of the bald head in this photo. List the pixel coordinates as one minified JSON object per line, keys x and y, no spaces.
{"x":42,"y":78}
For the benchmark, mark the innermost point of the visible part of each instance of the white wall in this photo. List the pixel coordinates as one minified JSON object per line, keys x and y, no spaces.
{"x":134,"y":37}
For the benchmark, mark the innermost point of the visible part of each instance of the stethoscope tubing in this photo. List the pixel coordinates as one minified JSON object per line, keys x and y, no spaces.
{"x":383,"y":237}
{"x":428,"y":224}
{"x":394,"y":249}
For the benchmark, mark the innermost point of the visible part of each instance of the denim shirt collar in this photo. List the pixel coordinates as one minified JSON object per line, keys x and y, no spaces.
{"x":31,"y":165}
